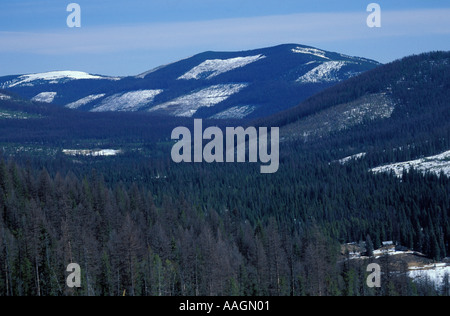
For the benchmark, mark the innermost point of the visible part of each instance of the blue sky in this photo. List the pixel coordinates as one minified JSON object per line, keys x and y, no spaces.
{"x":132,"y":36}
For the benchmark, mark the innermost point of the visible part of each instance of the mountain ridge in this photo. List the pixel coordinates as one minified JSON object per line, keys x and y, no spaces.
{"x":250,"y":84}
{"x":396,"y":113}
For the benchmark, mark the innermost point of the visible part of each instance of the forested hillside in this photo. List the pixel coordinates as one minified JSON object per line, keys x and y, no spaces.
{"x":401,"y":104}
{"x":139,"y":223}
{"x":193,"y":232}
{"x":219,"y":85}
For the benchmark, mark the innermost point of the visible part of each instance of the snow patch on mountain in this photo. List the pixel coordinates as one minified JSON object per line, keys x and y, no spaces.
{"x":368,"y":111}
{"x":4,"y":97}
{"x":53,"y":77}
{"x":84,"y":101}
{"x":310,"y":51}
{"x":236,"y":112}
{"x":188,"y":105}
{"x":44,"y":97}
{"x":127,"y":102}
{"x":434,"y":164}
{"x":348,"y":159}
{"x":214,"y":67}
{"x":92,"y":152}
{"x":341,"y":117}
{"x":434,"y":273}
{"x":359,"y":59}
{"x":326,"y":72}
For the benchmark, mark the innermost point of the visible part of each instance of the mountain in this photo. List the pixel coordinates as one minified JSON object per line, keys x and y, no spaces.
{"x":220,"y":85}
{"x":396,"y":113}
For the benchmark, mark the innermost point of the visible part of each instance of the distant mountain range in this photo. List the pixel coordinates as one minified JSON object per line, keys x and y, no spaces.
{"x":393,"y":117}
{"x":219,"y":85}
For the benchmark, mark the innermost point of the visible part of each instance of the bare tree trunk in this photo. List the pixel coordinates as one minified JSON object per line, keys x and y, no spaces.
{"x":6,"y":277}
{"x":131,"y":274}
{"x":38,"y":281}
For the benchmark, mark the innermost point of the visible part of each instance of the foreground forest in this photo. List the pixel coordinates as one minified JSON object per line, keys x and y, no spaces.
{"x":156,"y":238}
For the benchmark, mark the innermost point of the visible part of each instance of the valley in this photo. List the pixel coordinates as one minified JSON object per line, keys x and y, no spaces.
{"x":91,"y":167}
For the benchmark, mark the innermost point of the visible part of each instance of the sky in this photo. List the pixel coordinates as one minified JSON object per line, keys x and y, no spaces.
{"x":121,"y":38}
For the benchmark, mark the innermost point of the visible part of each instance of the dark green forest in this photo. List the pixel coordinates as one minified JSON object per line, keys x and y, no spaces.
{"x":193,"y":231}
{"x":140,"y":224}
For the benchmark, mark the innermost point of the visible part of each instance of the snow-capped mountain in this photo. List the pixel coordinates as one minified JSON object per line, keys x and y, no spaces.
{"x":246,"y":84}
{"x":54,"y":77}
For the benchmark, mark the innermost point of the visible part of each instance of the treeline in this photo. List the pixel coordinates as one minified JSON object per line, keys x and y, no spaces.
{"x":133,"y":240}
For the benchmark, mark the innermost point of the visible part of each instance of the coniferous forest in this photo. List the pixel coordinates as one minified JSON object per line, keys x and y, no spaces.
{"x":140,"y":224}
{"x":192,"y":232}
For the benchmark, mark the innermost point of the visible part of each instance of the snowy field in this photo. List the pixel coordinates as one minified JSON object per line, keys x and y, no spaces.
{"x":4,"y":97}
{"x":346,"y":160}
{"x":310,"y":51}
{"x":188,"y":105}
{"x":127,"y":102}
{"x":44,"y":97}
{"x":91,"y":152}
{"x":52,"y":77}
{"x":236,"y":112}
{"x":326,"y":72}
{"x":434,"y":273}
{"x":434,"y":164}
{"x":84,"y":101}
{"x":214,"y":67}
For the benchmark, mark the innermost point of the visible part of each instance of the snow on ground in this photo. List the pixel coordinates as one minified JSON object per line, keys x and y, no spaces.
{"x":91,"y":152}
{"x":434,"y":273}
{"x":371,"y":110}
{"x":310,"y":51}
{"x":4,"y":115}
{"x":326,"y":72}
{"x":4,"y":97}
{"x":236,"y":112}
{"x":345,"y":160}
{"x":215,"y":67}
{"x":44,"y":97}
{"x":9,"y":115}
{"x":435,"y":164}
{"x":53,"y":77}
{"x":84,"y":101}
{"x":343,"y":116}
{"x":127,"y":102}
{"x":187,"y":106}
{"x":419,"y":268}
{"x":391,"y":252}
